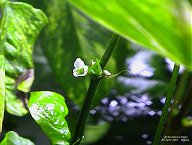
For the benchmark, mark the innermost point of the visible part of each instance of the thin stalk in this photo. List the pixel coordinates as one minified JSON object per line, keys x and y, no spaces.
{"x":110,"y":48}
{"x":187,"y":103}
{"x":170,"y":93}
{"x":173,"y":122}
{"x":85,"y":111}
{"x":175,"y":125}
{"x":182,"y":85}
{"x":80,"y":127}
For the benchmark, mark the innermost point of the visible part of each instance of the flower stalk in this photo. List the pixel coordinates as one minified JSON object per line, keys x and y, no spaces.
{"x":169,"y":96}
{"x":80,"y":127}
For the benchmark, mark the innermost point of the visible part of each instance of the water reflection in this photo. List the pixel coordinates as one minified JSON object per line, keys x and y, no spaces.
{"x":149,"y":142}
{"x":139,"y":64}
{"x":170,"y":65}
{"x":144,"y":136}
{"x":122,"y":108}
{"x":139,"y":84}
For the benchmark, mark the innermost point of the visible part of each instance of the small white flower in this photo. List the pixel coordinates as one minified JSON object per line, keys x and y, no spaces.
{"x":80,"y":68}
{"x":106,"y":72}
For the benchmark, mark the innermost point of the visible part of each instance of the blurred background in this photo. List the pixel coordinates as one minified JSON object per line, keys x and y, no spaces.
{"x":127,"y":108}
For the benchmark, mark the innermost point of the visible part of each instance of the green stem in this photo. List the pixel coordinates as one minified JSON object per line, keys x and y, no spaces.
{"x":108,"y":52}
{"x":175,"y":124}
{"x":170,"y":93}
{"x":187,"y":102}
{"x":85,"y":111}
{"x":182,"y":85}
{"x":80,"y":127}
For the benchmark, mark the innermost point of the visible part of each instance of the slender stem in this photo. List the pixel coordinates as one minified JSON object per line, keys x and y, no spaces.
{"x":187,"y":103}
{"x":85,"y":111}
{"x":182,"y":85}
{"x":170,"y":93}
{"x":91,"y":93}
{"x":108,"y":52}
{"x":175,"y":125}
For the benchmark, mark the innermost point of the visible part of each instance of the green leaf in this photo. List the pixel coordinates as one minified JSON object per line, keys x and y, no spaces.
{"x":2,"y":74}
{"x":12,"y":138}
{"x":61,"y":46}
{"x":95,"y":132}
{"x":49,"y":110}
{"x":2,"y":1}
{"x":2,"y":91}
{"x":68,"y":36}
{"x":21,"y":24}
{"x":161,"y":25}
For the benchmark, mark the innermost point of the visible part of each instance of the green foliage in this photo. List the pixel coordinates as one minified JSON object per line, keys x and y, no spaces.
{"x":65,"y":39}
{"x":95,"y":132}
{"x":60,"y":44}
{"x":70,"y":35}
{"x":49,"y":110}
{"x":13,"y":138}
{"x":165,"y":110}
{"x":139,"y":21}
{"x":2,"y":94}
{"x":20,"y":26}
{"x":2,"y":75}
{"x":2,"y":1}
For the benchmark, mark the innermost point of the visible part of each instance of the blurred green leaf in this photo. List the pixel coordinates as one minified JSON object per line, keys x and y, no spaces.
{"x":2,"y":77}
{"x":122,"y":52}
{"x":2,"y":1}
{"x":161,"y":25}
{"x":66,"y":39}
{"x":95,"y":132}
{"x":2,"y":92}
{"x":13,"y":138}
{"x":49,"y":110}
{"x":61,"y":46}
{"x":21,"y":24}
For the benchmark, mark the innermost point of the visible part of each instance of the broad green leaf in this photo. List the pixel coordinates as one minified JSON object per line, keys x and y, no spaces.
{"x":2,"y":90}
{"x":12,"y":138}
{"x":49,"y":110}
{"x":68,"y":36}
{"x":22,"y":24}
{"x":2,"y":74}
{"x":161,"y":25}
{"x":61,"y":46}
{"x":2,"y":1}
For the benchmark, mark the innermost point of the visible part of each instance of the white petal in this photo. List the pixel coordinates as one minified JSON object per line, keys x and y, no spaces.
{"x":106,"y":72}
{"x":81,"y":75}
{"x":75,"y":73}
{"x":85,"y":69}
{"x":78,"y":63}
